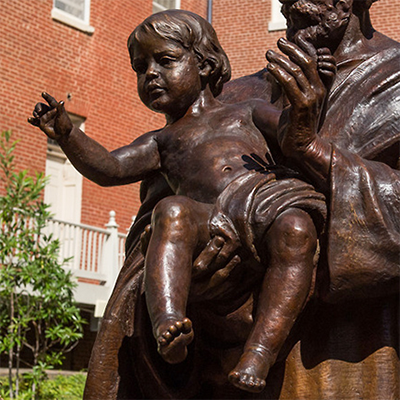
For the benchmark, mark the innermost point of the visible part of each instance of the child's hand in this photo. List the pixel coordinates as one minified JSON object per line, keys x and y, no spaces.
{"x":52,"y":119}
{"x":326,"y":65}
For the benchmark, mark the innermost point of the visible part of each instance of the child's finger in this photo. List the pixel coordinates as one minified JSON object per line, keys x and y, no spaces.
{"x":50,"y":99}
{"x":48,"y":117}
{"x":40,"y":110}
{"x":327,"y":58}
{"x":326,"y":62}
{"x":34,"y":121}
{"x":61,"y":109}
{"x":60,"y":106}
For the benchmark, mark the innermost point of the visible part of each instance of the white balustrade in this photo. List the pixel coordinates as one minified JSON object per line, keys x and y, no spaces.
{"x":94,"y":253}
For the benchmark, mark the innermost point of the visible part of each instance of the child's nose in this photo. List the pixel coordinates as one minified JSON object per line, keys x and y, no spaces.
{"x":152,"y":71}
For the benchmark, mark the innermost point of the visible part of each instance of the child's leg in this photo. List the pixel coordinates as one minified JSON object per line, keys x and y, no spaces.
{"x":179,"y":226}
{"x":291,"y":243}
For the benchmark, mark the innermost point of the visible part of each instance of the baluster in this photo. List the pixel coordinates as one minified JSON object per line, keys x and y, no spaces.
{"x":77,"y":248}
{"x":84,"y":249}
{"x":89,"y":251}
{"x":94,"y":252}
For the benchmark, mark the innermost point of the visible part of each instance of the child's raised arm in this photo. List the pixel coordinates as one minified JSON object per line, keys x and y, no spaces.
{"x":125,"y":165}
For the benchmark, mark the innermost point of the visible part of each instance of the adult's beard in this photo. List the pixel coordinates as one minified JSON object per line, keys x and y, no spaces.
{"x":312,"y":26}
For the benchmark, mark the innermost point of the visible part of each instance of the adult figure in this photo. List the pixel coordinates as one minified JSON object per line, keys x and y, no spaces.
{"x":346,"y":345}
{"x":362,"y":118}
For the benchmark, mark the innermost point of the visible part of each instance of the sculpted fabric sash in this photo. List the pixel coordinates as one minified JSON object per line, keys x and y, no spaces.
{"x":251,"y":203}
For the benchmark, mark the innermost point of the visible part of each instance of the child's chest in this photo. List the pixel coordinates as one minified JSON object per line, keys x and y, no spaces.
{"x":208,"y":155}
{"x":198,"y":138}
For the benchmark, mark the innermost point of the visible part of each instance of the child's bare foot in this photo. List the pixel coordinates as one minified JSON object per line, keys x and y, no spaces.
{"x":251,"y":371}
{"x":174,"y":339}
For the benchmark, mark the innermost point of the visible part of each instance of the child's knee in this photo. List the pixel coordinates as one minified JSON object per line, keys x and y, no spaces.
{"x":172,"y":210}
{"x":292,"y":232}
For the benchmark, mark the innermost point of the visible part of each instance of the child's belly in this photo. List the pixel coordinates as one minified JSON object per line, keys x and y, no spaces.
{"x":211,"y":167}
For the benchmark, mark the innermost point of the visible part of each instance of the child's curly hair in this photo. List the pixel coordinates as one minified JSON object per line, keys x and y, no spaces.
{"x":195,"y":34}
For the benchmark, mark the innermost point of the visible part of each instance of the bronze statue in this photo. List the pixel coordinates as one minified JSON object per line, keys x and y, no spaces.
{"x":351,"y":154}
{"x":179,"y":74}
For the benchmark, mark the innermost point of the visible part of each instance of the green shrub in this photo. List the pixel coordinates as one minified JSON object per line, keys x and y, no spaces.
{"x":38,"y":312}
{"x":60,"y":387}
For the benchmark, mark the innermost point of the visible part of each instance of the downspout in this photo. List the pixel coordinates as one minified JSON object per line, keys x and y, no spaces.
{"x":209,"y":11}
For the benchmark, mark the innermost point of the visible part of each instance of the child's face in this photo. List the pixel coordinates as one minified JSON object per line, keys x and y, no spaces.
{"x":167,"y":73}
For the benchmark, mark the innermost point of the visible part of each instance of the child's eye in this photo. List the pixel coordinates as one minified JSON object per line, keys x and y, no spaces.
{"x":166,"y":61}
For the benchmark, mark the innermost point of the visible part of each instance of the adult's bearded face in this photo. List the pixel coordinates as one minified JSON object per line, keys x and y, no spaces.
{"x":320,"y":23}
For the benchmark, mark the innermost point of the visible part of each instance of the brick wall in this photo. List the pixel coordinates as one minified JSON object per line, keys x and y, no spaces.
{"x":242,"y":28}
{"x":243,"y":33}
{"x":39,"y":54}
{"x":385,"y":17}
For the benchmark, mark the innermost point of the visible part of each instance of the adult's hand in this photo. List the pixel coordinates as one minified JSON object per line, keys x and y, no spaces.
{"x":298,"y":75}
{"x":298,"y":132}
{"x":221,"y":251}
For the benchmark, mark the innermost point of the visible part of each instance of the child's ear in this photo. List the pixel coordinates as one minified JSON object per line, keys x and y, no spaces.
{"x":205,"y":68}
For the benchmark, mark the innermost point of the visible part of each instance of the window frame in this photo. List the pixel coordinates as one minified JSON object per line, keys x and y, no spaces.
{"x":162,"y":8}
{"x":69,"y":19}
{"x":278,"y":21}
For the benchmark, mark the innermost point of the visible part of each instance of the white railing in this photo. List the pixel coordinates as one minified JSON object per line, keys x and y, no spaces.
{"x":94,"y":253}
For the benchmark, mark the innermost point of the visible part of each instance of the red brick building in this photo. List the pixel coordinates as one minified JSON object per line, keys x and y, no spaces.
{"x":79,"y":54}
{"x":91,"y":72}
{"x":244,"y":29}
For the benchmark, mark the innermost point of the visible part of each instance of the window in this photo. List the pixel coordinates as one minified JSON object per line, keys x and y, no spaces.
{"x":162,"y":5}
{"x":278,"y":21}
{"x":64,"y":191}
{"x":75,"y":13}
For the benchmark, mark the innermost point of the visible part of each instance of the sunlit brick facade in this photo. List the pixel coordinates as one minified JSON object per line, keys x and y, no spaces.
{"x":242,"y":27}
{"x":92,"y":73}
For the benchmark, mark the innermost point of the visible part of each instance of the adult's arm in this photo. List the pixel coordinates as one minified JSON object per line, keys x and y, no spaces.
{"x":356,"y":161}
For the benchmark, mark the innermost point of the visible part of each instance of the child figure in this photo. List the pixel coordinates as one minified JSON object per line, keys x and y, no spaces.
{"x":180,"y":69}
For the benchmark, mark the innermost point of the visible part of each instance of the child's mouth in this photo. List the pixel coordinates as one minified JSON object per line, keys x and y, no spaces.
{"x":155,"y":89}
